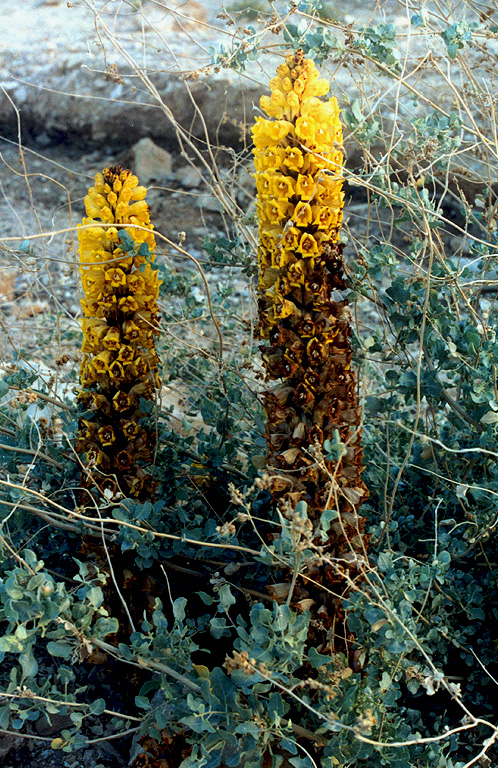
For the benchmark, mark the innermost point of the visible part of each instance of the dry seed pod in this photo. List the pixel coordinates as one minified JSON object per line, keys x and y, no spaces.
{"x":120,"y":321}
{"x":302,"y":312}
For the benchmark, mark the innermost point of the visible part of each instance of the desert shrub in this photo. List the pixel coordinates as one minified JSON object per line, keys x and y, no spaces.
{"x":186,"y":593}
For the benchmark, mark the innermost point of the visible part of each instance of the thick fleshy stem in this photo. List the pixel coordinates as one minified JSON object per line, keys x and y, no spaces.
{"x":119,"y":368}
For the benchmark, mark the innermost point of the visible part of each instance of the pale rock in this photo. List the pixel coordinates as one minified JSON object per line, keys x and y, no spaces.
{"x":152,"y":163}
{"x":209,"y":202}
{"x":189,"y":176}
{"x":29,"y":307}
{"x":8,"y":276}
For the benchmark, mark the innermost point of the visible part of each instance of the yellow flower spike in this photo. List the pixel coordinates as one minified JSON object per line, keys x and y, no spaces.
{"x":121,"y":320}
{"x":298,"y":160}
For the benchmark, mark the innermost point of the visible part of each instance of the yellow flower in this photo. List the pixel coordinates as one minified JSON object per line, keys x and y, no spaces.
{"x":131,"y":331}
{"x":306,"y":186}
{"x":94,"y":328}
{"x":112,"y":339}
{"x":87,"y":429}
{"x":308,"y":246}
{"x":271,"y":158}
{"x":271,"y":106}
{"x":93,"y":281}
{"x":129,"y":429}
{"x":126,"y":354}
{"x":305,"y":128}
{"x":121,"y":401}
{"x":291,"y":237}
{"x":106,"y":435}
{"x":140,"y":367}
{"x":294,"y":158}
{"x":283,"y":307}
{"x":128,"y":304}
{"x":278,"y":210}
{"x":283,"y":187}
{"x":296,"y":273}
{"x":102,"y":361}
{"x":116,"y":372}
{"x":286,"y":258}
{"x":263,"y":184}
{"x":303,"y":214}
{"x":115,"y":277}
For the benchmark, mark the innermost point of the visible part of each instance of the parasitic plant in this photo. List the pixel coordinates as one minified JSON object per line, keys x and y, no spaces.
{"x":119,"y":369}
{"x":313,"y":420}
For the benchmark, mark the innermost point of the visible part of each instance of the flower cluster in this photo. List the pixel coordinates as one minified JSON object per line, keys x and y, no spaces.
{"x":119,"y":368}
{"x":303,"y":314}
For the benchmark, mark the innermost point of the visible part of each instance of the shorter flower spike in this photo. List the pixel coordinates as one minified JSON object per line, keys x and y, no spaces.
{"x":119,"y":368}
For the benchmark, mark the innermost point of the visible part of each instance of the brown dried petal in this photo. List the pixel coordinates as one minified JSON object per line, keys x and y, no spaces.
{"x":303,"y":396}
{"x":288,"y":457}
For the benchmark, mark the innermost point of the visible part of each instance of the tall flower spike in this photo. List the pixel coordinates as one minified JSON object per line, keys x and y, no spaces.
{"x":305,"y":319}
{"x":119,"y":367}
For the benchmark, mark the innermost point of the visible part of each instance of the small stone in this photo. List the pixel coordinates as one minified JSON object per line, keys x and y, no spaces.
{"x":208,"y":203}
{"x":189,"y":176}
{"x":152,"y":163}
{"x":8,"y":276}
